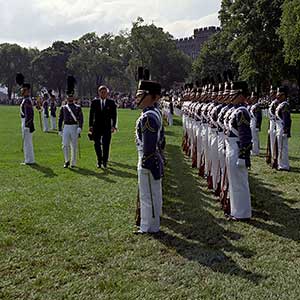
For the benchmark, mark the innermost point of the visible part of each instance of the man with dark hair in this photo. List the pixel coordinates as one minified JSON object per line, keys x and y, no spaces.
{"x":102,"y":123}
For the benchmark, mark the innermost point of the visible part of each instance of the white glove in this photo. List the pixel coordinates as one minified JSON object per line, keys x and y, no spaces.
{"x":284,"y":135}
{"x":26,"y":129}
{"x":241,"y":163}
{"x":78,"y":130}
{"x":60,"y":133}
{"x":257,"y":129}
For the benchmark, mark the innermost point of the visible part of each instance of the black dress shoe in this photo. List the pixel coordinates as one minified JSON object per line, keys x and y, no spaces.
{"x":105,"y":165}
{"x":67,"y":164}
{"x":99,"y":165}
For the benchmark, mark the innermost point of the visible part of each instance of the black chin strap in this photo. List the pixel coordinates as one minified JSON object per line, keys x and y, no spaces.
{"x":143,"y":98}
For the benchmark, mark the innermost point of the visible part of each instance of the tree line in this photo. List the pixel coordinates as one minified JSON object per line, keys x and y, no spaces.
{"x":95,"y":60}
{"x":259,"y":41}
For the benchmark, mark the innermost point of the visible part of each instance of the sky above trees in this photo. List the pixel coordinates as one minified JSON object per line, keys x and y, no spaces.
{"x":38,"y":23}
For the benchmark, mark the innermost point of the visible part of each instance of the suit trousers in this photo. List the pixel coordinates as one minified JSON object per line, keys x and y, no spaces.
{"x":102,"y":146}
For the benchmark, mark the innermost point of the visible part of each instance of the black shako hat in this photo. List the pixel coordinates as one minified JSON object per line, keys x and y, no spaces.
{"x":148,"y":87}
{"x":239,"y":88}
{"x":282,"y":90}
{"x":71,"y":82}
{"x":20,"y":81}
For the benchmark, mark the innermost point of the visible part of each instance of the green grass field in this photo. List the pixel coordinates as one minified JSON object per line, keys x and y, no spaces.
{"x":67,"y":234}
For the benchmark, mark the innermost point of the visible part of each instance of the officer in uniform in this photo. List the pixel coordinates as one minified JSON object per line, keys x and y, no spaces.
{"x":52,"y":111}
{"x":45,"y":113}
{"x":283,"y":129}
{"x":27,"y":118}
{"x":150,"y":162}
{"x":72,"y":118}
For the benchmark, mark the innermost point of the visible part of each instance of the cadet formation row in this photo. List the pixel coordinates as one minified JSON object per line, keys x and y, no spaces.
{"x":221,"y":125}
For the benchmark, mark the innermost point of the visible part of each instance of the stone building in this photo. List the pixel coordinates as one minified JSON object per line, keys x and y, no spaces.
{"x":192,"y":45}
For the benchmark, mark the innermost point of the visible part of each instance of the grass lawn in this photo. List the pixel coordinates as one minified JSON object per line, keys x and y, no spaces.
{"x":67,"y":234}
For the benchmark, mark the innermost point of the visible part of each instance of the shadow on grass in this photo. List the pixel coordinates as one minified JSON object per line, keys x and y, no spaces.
{"x":190,"y":228}
{"x":119,"y":173}
{"x":177,"y":122}
{"x":48,"y":172}
{"x":171,"y":133}
{"x":269,"y":205}
{"x":122,"y":165}
{"x":87,"y":172}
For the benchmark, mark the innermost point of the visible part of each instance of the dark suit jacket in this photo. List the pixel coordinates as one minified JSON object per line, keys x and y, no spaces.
{"x":103,"y":120}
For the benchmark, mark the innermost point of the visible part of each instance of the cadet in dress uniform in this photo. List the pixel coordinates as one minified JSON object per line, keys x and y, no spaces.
{"x":238,"y":148}
{"x":27,"y":120}
{"x":272,"y":148}
{"x":283,"y":129}
{"x":255,"y":123}
{"x":150,"y":162}
{"x":45,"y":113}
{"x":72,"y":118}
{"x":52,"y":111}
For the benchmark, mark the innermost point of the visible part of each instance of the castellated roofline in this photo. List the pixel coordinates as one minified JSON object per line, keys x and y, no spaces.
{"x":192,"y":45}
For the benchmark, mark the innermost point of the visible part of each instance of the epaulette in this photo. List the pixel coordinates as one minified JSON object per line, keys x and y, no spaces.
{"x":147,"y":126}
{"x":243,"y":120}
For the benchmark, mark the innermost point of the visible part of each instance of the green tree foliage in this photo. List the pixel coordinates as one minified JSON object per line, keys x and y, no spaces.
{"x":290,"y":31}
{"x":13,"y":59}
{"x":94,"y":60}
{"x":156,"y":49}
{"x":214,"y":58}
{"x":50,"y":66}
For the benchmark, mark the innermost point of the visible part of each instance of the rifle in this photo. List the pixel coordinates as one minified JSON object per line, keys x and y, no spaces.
{"x":268,"y":155}
{"x":79,"y":150}
{"x":138,"y":210}
{"x":275,"y":155}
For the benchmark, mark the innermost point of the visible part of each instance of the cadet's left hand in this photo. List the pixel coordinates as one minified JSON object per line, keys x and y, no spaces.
{"x":113,"y":130}
{"x":78,"y":131}
{"x":241,"y":163}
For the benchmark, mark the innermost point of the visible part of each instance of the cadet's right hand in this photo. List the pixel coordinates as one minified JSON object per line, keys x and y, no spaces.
{"x":60,"y":133}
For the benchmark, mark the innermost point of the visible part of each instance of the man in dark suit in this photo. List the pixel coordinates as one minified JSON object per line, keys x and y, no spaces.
{"x":102,"y":123}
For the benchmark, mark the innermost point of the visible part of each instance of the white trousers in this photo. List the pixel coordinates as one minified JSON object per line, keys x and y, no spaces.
{"x":255,"y":137}
{"x":53,"y":123}
{"x":69,"y":142}
{"x":205,"y":151}
{"x":239,"y":192}
{"x":283,"y":148}
{"x":150,"y":192}
{"x":45,"y":123}
{"x":199,"y":143}
{"x":221,"y":154}
{"x":170,"y":119}
{"x":27,"y":144}
{"x":272,"y":132}
{"x":214,"y":157}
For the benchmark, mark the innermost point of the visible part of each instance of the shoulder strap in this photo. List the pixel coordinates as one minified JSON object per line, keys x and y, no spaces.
{"x":72,"y":114}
